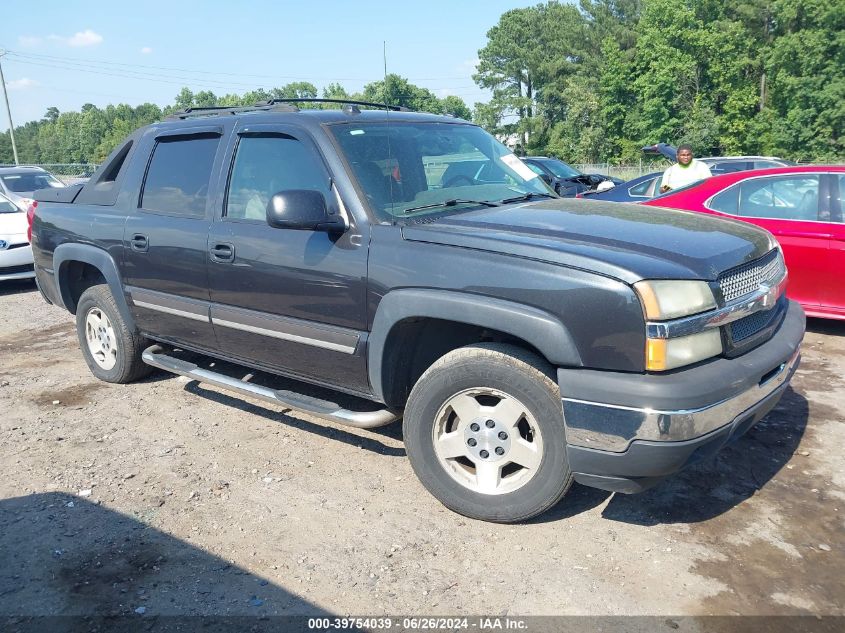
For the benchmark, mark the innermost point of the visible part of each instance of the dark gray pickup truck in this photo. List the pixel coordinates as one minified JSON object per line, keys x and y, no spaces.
{"x":526,"y":340}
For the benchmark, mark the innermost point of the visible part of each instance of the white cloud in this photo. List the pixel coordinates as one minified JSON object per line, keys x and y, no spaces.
{"x":146,"y":50}
{"x":78,"y":39}
{"x":21,"y":84}
{"x":28,"y":41}
{"x":470,"y":65}
{"x":85,"y":38}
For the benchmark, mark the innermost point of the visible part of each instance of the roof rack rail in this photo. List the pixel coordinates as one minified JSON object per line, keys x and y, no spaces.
{"x":277,"y":105}
{"x":198,"y":111}
{"x":382,"y":106}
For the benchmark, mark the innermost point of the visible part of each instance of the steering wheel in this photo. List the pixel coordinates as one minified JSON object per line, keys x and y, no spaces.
{"x":454,"y":180}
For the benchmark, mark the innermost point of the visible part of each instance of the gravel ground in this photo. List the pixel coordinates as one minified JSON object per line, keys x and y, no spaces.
{"x":169,"y":497}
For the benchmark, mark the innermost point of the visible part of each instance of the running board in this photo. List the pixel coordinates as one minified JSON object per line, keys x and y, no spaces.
{"x":155,"y":355}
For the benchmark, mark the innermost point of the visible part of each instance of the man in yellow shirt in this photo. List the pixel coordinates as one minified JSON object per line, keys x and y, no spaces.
{"x":685,"y":172}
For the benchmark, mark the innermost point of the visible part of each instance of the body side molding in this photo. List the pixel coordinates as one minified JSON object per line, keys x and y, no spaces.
{"x":177,"y":305}
{"x":285,"y":328}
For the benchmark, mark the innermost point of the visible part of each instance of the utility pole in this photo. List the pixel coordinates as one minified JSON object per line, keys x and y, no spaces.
{"x":8,"y":110}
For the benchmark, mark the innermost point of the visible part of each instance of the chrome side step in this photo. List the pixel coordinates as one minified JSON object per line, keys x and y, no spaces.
{"x":156,"y":356}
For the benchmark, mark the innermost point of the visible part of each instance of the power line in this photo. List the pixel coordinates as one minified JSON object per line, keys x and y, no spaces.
{"x":179,"y":81}
{"x":38,"y":56}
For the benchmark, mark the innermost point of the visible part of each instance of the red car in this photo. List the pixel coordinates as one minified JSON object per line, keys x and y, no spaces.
{"x":802,"y":206}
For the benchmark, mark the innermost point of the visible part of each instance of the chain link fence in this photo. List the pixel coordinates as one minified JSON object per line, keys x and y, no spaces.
{"x":624,"y":172}
{"x":71,"y":173}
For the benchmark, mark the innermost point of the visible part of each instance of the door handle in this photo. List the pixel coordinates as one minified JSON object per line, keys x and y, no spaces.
{"x":222,"y":253}
{"x":140,"y":243}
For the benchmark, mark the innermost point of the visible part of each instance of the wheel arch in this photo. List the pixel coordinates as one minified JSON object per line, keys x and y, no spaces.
{"x":68,"y":258}
{"x":531,"y":328}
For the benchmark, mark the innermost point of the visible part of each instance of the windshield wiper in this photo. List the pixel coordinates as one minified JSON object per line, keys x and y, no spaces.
{"x":527,"y":196}
{"x":448,"y":203}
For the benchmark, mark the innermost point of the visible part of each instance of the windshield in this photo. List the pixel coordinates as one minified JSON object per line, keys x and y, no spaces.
{"x":560,"y":169}
{"x":25,"y":183}
{"x":444,"y":167}
{"x":6,"y":205}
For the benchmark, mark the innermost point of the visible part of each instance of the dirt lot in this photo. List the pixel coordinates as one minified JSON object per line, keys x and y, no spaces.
{"x":168,"y":497}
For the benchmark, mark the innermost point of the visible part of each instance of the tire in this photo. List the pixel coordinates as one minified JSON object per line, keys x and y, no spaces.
{"x":510,"y":395}
{"x":113,"y":352}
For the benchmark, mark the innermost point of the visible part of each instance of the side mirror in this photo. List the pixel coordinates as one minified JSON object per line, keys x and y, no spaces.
{"x":302,"y":209}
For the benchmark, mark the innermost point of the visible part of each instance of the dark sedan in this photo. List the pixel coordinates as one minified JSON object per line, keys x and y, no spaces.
{"x":565,"y":179}
{"x":635,"y":190}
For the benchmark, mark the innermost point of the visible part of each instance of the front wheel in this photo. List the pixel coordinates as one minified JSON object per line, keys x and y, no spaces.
{"x":484,"y":432}
{"x":110,"y":348}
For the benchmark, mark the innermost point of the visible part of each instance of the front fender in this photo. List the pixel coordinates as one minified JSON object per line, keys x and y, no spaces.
{"x":538,"y":328}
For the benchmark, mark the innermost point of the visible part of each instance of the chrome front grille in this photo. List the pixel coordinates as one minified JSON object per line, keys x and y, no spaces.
{"x":742,"y":280}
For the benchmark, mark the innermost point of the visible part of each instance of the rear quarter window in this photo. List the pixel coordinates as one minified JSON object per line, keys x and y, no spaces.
{"x":643,"y":189}
{"x":178,"y":176}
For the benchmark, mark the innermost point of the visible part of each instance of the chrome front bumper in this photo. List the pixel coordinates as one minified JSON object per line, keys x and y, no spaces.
{"x":612,"y":428}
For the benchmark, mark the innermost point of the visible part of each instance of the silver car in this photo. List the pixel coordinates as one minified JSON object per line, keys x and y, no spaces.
{"x":19,"y":183}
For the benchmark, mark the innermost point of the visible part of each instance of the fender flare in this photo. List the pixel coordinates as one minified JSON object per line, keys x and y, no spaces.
{"x":537,"y":327}
{"x":99,"y":259}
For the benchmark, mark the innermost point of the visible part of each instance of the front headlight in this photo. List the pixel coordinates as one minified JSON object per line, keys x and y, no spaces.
{"x":670,"y":299}
{"x":664,"y":300}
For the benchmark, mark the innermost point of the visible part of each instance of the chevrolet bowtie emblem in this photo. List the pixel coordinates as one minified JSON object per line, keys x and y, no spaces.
{"x":769,"y":295}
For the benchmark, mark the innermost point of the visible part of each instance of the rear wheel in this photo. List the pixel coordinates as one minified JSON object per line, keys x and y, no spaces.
{"x":484,"y":432}
{"x":110,"y":348}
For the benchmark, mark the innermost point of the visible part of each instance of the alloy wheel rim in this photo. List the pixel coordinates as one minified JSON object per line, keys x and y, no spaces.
{"x":487,"y":441}
{"x":101,"y":339}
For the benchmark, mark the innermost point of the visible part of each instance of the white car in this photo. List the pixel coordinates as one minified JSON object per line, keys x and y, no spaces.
{"x":15,"y":250}
{"x":20,"y":183}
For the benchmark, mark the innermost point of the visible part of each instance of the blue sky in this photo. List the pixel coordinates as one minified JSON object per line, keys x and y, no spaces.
{"x":65,"y":54}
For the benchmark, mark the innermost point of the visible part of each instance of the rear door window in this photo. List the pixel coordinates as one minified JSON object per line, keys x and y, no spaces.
{"x":781,"y":198}
{"x":178,"y":175}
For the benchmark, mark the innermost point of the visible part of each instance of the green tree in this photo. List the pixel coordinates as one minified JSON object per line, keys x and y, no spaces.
{"x":52,"y":114}
{"x":335,"y":91}
{"x":528,"y":56}
{"x":456,"y":106}
{"x":806,"y":65}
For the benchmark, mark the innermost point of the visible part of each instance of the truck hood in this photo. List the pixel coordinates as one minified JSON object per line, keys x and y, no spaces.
{"x":625,"y":241}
